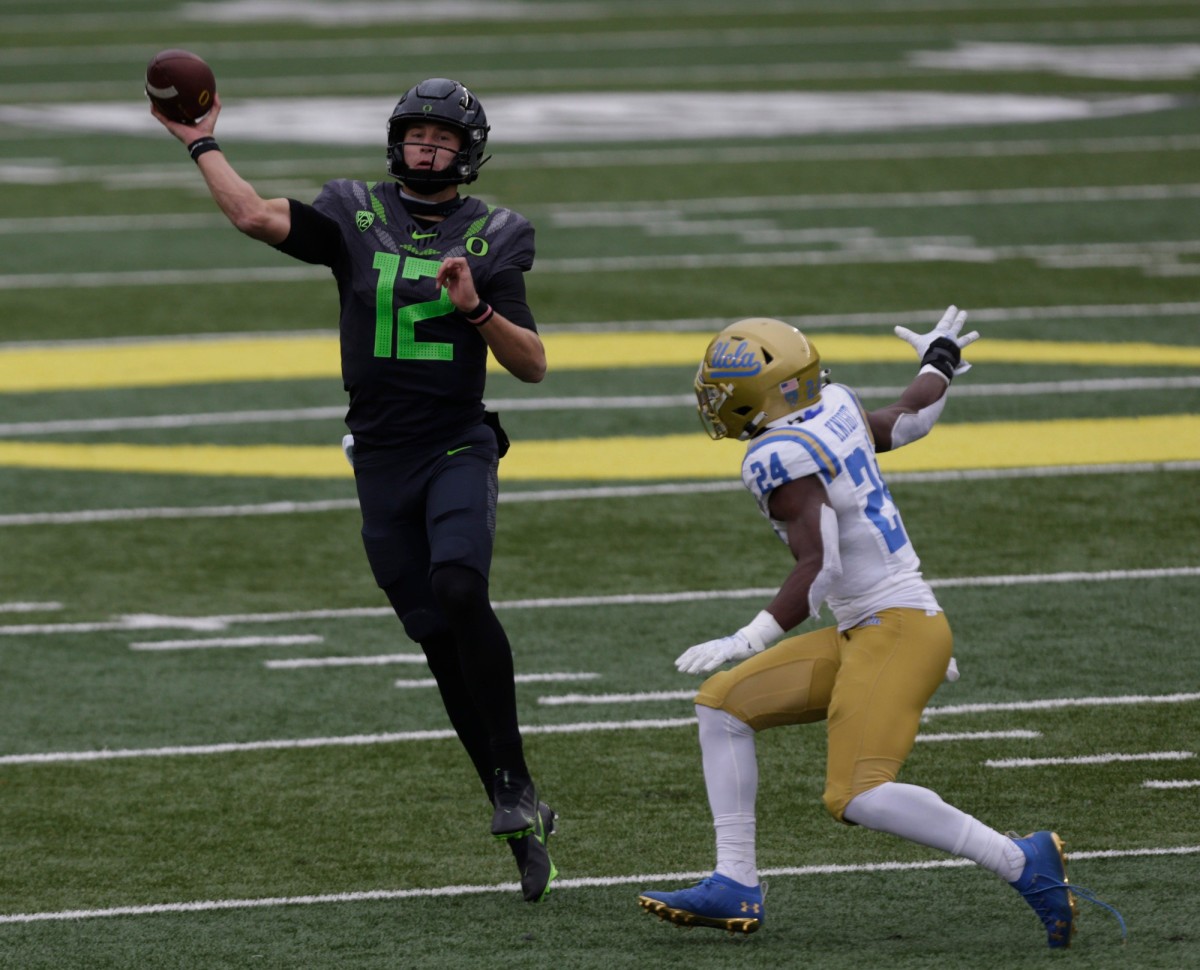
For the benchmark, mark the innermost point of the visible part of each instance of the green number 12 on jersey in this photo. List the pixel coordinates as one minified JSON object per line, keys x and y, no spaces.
{"x":408,"y":347}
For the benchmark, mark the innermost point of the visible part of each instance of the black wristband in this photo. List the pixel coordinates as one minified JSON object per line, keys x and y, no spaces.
{"x":480,"y":315}
{"x":943,"y":356}
{"x":202,"y":145}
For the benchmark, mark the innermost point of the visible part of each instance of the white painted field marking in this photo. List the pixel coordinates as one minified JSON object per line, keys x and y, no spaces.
{"x":51,"y":171}
{"x":216,"y":623}
{"x":643,"y":697}
{"x":281,"y":641}
{"x":702,"y":325}
{"x":353,"y":740}
{"x":1090,"y":759}
{"x":1153,"y":257}
{"x":583,"y":727}
{"x":580,"y":403}
{"x":151,"y":421}
{"x":1049,"y":704}
{"x":1136,"y":62}
{"x":1191,"y":783}
{"x":347,"y":49}
{"x":30,"y":607}
{"x":544,"y":114}
{"x":379,"y":660}
{"x":361,"y":47}
{"x":585,"y":882}
{"x":549,"y":678}
{"x":567,"y":494}
{"x":602,"y":214}
{"x":1014,"y":734}
{"x":1059,"y":703}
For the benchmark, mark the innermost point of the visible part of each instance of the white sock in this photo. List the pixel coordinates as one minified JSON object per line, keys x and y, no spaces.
{"x":920,"y":815}
{"x":731,"y":776}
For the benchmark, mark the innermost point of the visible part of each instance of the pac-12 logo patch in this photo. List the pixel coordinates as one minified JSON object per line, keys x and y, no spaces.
{"x":730,"y":361}
{"x":364,"y":219}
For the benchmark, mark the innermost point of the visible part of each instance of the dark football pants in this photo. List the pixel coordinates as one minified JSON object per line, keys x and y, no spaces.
{"x":428,"y":528}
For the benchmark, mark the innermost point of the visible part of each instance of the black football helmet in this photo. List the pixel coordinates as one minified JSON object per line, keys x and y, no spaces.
{"x":445,"y":102}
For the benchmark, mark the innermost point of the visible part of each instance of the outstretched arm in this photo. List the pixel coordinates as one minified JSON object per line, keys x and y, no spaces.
{"x":268,"y":220}
{"x":921,"y":403}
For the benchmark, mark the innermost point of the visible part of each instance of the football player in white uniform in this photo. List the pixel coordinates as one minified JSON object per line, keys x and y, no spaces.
{"x":811,"y":466}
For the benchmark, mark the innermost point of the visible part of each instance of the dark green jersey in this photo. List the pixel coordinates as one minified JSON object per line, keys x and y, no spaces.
{"x":413,"y":366}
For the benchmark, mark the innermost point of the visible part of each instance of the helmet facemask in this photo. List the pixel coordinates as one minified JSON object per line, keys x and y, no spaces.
{"x":443,"y":102}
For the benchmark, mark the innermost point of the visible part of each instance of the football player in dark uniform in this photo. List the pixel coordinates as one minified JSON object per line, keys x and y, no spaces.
{"x":430,"y":281}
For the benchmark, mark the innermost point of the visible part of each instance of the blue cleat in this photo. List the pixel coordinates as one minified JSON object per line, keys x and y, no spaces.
{"x":716,"y":901}
{"x":1044,"y":885}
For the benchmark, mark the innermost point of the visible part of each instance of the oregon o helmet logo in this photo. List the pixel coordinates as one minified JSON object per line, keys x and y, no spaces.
{"x":427,"y":108}
{"x":476,"y":246}
{"x":204,"y":97}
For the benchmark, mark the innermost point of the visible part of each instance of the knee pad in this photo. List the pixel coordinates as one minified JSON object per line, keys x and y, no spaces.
{"x":423,"y":624}
{"x":458,"y":588}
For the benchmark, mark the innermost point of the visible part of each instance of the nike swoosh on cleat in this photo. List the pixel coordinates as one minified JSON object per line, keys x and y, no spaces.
{"x":455,"y":451}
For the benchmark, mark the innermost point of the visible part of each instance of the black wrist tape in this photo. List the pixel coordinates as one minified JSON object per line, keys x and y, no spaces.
{"x":943,"y":355}
{"x":202,"y":145}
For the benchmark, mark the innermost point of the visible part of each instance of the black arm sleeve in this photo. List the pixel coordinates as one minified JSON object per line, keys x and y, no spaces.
{"x":506,"y":294}
{"x":314,"y":237}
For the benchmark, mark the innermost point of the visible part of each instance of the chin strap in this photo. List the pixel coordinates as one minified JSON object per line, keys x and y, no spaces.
{"x":418,"y":207}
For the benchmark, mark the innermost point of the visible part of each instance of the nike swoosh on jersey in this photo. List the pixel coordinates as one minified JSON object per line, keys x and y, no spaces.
{"x":455,"y":451}
{"x":423,"y":235}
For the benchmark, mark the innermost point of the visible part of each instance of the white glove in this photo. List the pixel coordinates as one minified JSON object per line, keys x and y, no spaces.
{"x":753,"y":638}
{"x":949,"y":327}
{"x":348,"y":448}
{"x":704,"y":657}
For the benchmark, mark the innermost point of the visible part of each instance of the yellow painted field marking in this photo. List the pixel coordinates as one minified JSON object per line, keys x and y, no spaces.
{"x":166,"y":363}
{"x":1003,"y":444}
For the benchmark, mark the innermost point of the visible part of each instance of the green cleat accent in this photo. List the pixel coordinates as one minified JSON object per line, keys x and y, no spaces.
{"x":537,"y":870}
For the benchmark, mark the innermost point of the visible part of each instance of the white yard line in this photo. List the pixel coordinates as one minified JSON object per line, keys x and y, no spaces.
{"x":549,"y":678}
{"x":354,"y":740}
{"x":216,"y":623}
{"x":30,"y":607}
{"x":583,"y":727}
{"x":1058,"y":703}
{"x":351,"y":48}
{"x":1189,"y":783}
{"x":85,"y":516}
{"x":1148,"y":255}
{"x":1090,"y":759}
{"x":17,"y":429}
{"x":378,"y":660}
{"x":47,"y":171}
{"x":585,"y":882}
{"x":281,"y":641}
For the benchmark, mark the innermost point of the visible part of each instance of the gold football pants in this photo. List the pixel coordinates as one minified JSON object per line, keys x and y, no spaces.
{"x":870,"y":684}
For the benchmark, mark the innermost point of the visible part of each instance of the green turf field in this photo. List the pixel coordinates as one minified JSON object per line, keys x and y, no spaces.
{"x":216,"y":748}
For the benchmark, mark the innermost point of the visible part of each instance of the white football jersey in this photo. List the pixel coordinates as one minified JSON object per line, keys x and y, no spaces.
{"x":879,"y":568}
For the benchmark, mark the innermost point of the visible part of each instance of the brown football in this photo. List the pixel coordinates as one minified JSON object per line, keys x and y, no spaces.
{"x":181,"y":85}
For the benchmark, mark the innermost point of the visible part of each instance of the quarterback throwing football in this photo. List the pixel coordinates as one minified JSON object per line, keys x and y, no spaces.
{"x":430,"y":283}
